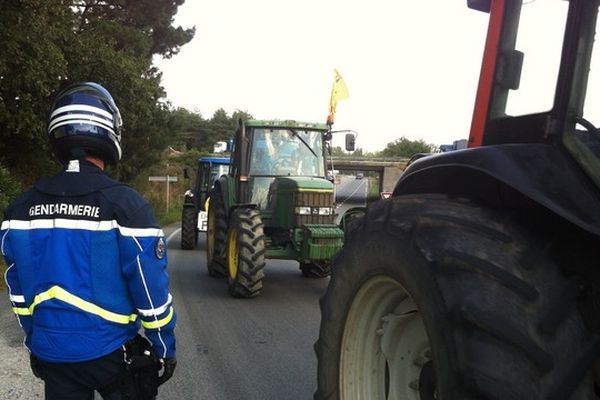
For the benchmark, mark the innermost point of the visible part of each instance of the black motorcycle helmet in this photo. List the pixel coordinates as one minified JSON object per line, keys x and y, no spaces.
{"x":84,"y":120}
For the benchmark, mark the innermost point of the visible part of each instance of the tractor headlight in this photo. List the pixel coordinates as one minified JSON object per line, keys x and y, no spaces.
{"x":302,"y":210}
{"x":324,"y":210}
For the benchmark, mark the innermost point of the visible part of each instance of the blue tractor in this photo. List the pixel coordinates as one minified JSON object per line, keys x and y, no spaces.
{"x":195,"y":205}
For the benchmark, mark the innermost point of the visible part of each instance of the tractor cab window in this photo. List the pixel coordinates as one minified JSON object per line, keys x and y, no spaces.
{"x":286,"y":152}
{"x":531,"y":72}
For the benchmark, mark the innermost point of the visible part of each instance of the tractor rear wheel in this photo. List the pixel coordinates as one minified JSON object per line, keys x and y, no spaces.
{"x":189,"y":231}
{"x":216,"y":237}
{"x":438,"y":298}
{"x":245,"y":253}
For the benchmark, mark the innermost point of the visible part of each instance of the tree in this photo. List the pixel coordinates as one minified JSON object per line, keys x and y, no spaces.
{"x":31,"y":62}
{"x":406,"y":148}
{"x":46,"y":44}
{"x":220,"y":127}
{"x":185,"y":127}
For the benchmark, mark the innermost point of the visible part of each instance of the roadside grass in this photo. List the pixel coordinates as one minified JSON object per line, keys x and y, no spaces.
{"x":172,"y":216}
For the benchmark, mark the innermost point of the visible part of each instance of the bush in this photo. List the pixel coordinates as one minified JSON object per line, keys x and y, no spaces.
{"x":9,"y":189}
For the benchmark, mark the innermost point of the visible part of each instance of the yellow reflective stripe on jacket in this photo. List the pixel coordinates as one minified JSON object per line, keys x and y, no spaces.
{"x":56,"y":292}
{"x":159,"y":323}
{"x":21,"y":311}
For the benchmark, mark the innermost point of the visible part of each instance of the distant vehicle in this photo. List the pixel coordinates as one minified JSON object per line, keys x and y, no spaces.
{"x":456,"y":145}
{"x":275,"y":204}
{"x":194,"y":214}
{"x":360,"y":175}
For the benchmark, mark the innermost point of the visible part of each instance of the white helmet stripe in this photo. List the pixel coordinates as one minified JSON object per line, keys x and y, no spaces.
{"x":78,"y":117}
{"x":117,"y":145}
{"x":83,"y":122}
{"x":82,"y":107}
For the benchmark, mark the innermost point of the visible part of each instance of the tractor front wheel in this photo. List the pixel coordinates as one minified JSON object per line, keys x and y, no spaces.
{"x":245,"y":253}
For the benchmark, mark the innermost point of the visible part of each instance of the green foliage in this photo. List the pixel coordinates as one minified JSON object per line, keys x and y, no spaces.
{"x":190,"y":130}
{"x":168,"y":218}
{"x":31,"y":62}
{"x":112,"y":42}
{"x":406,"y":148}
{"x":9,"y":189}
{"x":186,"y":127}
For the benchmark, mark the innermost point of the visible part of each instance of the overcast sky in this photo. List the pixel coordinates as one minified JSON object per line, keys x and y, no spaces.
{"x":411,"y":67}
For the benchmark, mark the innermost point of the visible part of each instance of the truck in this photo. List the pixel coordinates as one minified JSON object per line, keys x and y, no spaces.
{"x":479,"y":277}
{"x":275,"y":203}
{"x":196,"y":199}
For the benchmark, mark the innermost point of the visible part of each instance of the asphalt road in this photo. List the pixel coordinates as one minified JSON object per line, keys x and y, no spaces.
{"x":260,"y":348}
{"x":350,"y":192}
{"x":227,"y":349}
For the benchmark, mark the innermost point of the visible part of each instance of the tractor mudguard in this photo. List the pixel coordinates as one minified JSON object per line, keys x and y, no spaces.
{"x":222,"y":186}
{"x":510,"y":174}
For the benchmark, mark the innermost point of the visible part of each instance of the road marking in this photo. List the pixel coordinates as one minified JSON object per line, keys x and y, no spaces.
{"x":173,"y":234}
{"x":360,"y":185}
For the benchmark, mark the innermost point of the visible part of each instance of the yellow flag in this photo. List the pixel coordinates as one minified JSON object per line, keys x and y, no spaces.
{"x":339,"y":91}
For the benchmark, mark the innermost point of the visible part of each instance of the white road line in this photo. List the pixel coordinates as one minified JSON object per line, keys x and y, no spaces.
{"x":173,"y":234}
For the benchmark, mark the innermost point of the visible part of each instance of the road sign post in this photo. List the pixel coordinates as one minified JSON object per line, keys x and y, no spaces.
{"x":165,"y":179}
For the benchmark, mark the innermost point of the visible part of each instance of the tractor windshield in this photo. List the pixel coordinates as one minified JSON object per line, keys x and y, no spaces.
{"x":287,"y":152}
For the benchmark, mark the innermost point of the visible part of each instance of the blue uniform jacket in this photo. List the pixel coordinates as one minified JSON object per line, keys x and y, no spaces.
{"x":86,"y":266}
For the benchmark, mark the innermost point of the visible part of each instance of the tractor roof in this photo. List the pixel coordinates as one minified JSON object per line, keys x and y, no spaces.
{"x":254,"y":123}
{"x":214,"y":160}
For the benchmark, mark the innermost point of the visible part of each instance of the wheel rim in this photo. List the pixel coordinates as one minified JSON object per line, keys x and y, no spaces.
{"x":384,"y":345}
{"x":232,"y":253}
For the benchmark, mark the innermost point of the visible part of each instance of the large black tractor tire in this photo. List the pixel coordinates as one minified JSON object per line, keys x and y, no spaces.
{"x":438,"y":298}
{"x":316,"y":269}
{"x":216,"y":237}
{"x":245,"y":253}
{"x":189,"y":231}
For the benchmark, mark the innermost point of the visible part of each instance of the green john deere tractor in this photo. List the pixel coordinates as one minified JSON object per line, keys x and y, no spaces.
{"x":274,"y":203}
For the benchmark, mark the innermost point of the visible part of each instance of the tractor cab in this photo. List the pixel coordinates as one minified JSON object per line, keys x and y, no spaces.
{"x":534,"y":135}
{"x":277,"y":152}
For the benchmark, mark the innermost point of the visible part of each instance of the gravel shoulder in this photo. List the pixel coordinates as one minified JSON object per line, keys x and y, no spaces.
{"x":16,"y":379}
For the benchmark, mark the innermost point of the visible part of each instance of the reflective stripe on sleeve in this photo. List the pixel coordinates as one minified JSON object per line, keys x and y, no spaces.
{"x":160,"y":322}
{"x":17,"y":298}
{"x":156,"y":311}
{"x":21,"y":311}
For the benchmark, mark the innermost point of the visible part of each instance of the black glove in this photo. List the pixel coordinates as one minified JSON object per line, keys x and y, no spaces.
{"x":168,"y":367}
{"x":35,"y":366}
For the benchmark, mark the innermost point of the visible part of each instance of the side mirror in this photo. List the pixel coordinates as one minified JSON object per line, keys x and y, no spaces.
{"x":480,"y":5}
{"x":186,"y":174}
{"x":350,"y":142}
